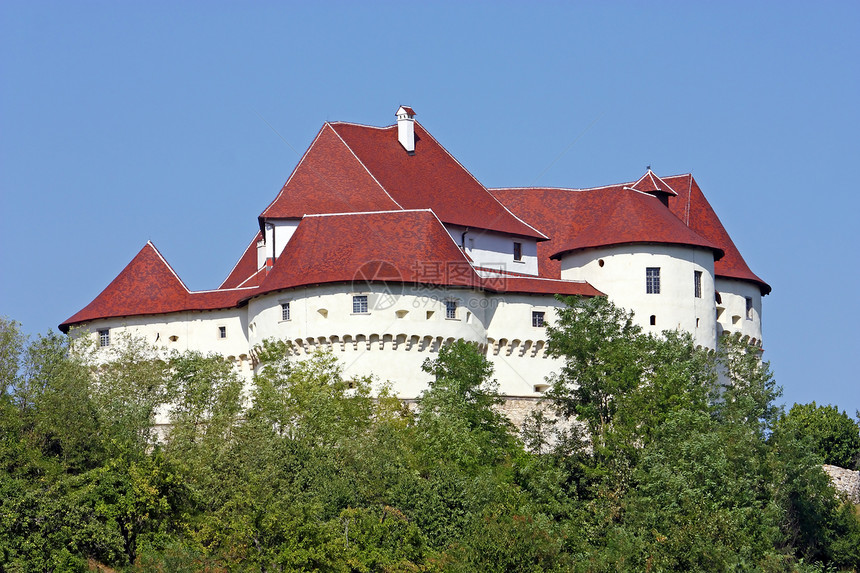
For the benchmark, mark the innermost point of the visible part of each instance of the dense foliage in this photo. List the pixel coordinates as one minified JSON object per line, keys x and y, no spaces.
{"x":651,"y":455}
{"x":832,"y":434}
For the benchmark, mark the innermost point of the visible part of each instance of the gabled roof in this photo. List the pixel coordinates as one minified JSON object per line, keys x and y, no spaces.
{"x":403,"y":247}
{"x":328,"y":179}
{"x":147,"y":285}
{"x":409,"y":111}
{"x":650,"y":183}
{"x":429,"y":179}
{"x":693,"y":209}
{"x":245,"y":270}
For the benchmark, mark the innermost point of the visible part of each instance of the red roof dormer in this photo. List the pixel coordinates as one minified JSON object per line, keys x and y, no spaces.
{"x":653,"y":185}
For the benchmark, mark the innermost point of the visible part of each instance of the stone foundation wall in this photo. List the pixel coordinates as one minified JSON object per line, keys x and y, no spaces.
{"x":845,"y":481}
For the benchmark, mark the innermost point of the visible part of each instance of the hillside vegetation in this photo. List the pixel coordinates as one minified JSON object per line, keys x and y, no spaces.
{"x":652,"y":455}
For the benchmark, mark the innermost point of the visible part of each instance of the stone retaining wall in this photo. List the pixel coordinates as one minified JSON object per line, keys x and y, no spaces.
{"x":845,"y":481}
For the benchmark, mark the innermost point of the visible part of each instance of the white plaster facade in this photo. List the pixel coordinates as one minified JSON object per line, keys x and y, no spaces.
{"x":407,"y":323}
{"x":496,"y":250}
{"x":621,"y":271}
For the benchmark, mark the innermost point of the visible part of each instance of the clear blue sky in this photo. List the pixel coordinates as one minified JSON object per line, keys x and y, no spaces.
{"x":122,"y":122}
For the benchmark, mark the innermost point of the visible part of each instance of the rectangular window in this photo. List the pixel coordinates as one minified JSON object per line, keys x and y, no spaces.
{"x":518,"y":251}
{"x":285,"y":311}
{"x":450,"y":309}
{"x":652,"y":280}
{"x":749,"y":308}
{"x":104,"y":337}
{"x":222,"y":332}
{"x":537,"y":317}
{"x":359,"y":304}
{"x":697,"y":283}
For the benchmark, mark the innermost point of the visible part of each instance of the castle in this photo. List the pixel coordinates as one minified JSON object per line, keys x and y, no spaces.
{"x":381,"y":247}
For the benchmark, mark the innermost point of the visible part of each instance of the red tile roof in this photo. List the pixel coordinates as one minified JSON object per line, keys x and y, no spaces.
{"x":600,"y":218}
{"x":693,"y":209}
{"x":147,"y":285}
{"x":580,"y":219}
{"x":429,"y":179}
{"x":504,"y":281}
{"x":396,"y":246}
{"x":328,"y":179}
{"x":410,"y":247}
{"x":650,"y":183}
{"x":245,"y":268}
{"x":552,"y":210}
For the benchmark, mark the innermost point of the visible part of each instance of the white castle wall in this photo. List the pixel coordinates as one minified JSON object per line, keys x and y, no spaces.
{"x":516,"y":348}
{"x":496,"y":250}
{"x":732,"y":310}
{"x":622,"y":276}
{"x":278,"y":234}
{"x":404,"y":328}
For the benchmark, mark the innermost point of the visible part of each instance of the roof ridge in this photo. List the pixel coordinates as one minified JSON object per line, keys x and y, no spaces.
{"x":368,"y":212}
{"x":360,"y":162}
{"x":253,"y":275}
{"x":253,"y":240}
{"x":221,"y":289}
{"x":469,"y":173}
{"x":361,"y":124}
{"x":163,"y":260}
{"x":295,"y":170}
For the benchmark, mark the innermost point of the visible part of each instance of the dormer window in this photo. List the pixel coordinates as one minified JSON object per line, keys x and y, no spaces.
{"x":518,"y":251}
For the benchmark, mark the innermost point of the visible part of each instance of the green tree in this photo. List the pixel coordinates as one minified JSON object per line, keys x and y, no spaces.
{"x":832,"y":434}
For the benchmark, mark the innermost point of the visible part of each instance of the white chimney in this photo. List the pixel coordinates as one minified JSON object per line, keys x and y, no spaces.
{"x":406,"y":128}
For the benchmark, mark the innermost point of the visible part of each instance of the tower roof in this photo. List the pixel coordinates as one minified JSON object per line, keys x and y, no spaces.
{"x":148,"y":285}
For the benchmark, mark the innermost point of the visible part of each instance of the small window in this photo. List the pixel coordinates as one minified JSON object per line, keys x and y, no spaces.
{"x":518,"y":251}
{"x":450,"y":309}
{"x":359,"y":304}
{"x":697,"y":283}
{"x":222,"y":332}
{"x":285,"y":311}
{"x":538,"y":318}
{"x":749,"y":308}
{"x":653,"y":320}
{"x":652,"y":280}
{"x":104,"y":337}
